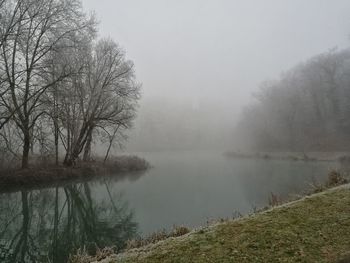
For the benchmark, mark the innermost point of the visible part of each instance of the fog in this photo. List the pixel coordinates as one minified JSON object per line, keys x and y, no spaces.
{"x":123,"y":123}
{"x":200,"y":61}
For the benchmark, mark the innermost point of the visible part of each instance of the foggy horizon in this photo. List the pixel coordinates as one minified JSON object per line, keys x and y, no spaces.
{"x":208,"y":53}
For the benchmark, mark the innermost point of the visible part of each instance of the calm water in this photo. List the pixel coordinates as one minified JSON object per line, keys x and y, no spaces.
{"x":183,"y":188}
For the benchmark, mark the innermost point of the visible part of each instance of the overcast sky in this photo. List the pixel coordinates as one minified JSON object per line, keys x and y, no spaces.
{"x":213,"y":54}
{"x":219,"y":49}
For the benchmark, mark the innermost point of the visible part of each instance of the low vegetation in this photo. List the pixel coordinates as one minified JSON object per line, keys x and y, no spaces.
{"x":41,"y":174}
{"x":157,"y":236}
{"x":83,"y":256}
{"x":295,"y":156}
{"x":126,"y":164}
{"x":335,"y":178}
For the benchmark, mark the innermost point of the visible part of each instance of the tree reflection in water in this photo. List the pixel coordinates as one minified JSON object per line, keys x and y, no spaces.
{"x":48,"y":225}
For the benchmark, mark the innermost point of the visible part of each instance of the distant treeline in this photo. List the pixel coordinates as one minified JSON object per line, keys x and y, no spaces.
{"x":306,"y":109}
{"x":61,"y":88}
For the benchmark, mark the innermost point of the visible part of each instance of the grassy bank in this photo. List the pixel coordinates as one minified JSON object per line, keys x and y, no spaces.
{"x":313,"y":229}
{"x":41,"y":175}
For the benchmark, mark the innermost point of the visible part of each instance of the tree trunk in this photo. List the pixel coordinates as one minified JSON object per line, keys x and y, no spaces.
{"x":26,"y":148}
{"x":68,"y":160}
{"x":68,"y":150}
{"x":56,"y":144}
{"x":111,"y":139}
{"x":78,"y":145}
{"x":87,"y":149}
{"x":108,"y":150}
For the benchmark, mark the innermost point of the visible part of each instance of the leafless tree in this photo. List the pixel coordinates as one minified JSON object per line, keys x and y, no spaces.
{"x":113,"y":135}
{"x":11,"y":14}
{"x":104,"y":95}
{"x":307,"y":108}
{"x":55,"y":77}
{"x":41,"y":28}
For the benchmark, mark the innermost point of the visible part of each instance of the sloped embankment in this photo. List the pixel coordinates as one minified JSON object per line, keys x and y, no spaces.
{"x":313,"y":229}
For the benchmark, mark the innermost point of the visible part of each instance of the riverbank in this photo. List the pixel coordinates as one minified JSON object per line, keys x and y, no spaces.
{"x":342,"y":157}
{"x":39,"y":176}
{"x":312,"y":229}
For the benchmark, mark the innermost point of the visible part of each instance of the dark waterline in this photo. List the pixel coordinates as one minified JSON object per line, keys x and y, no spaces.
{"x":183,"y":188}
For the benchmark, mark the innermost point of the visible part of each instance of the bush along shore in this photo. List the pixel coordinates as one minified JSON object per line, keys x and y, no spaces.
{"x":310,"y":229}
{"x":40,"y":175}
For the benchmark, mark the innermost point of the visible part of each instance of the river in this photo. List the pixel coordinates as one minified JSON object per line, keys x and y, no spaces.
{"x":182,"y":188}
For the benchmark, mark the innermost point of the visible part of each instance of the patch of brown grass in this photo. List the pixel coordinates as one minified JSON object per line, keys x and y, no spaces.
{"x":82,"y":256}
{"x":274,"y":200}
{"x":157,"y":236}
{"x":335,"y":178}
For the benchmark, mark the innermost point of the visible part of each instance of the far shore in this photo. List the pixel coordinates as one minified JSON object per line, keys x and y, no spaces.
{"x":292,"y":156}
{"x":42,"y":176}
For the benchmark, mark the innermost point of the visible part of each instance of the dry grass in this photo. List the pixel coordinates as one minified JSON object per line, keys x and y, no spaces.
{"x":335,"y":178}
{"x":40,"y":174}
{"x":156,"y":237}
{"x":82,"y":256}
{"x":126,"y":164}
{"x":274,"y":200}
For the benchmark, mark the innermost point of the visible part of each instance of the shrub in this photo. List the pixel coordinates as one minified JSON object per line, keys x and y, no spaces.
{"x":274,"y":200}
{"x":335,"y":178}
{"x":127,"y":164}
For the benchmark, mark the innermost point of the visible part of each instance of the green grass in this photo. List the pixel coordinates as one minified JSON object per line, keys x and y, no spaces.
{"x":314,"y":229}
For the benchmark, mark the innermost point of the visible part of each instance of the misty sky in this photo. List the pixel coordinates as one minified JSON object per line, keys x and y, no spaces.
{"x":225,"y":48}
{"x":217,"y":52}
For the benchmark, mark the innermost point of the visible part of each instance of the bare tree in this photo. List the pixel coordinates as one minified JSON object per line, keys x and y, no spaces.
{"x":307,"y":108}
{"x":11,"y":14}
{"x":104,"y":95}
{"x":113,"y":135}
{"x":42,"y":27}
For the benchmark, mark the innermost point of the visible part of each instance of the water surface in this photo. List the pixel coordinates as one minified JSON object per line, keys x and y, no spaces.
{"x":182,"y":188}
